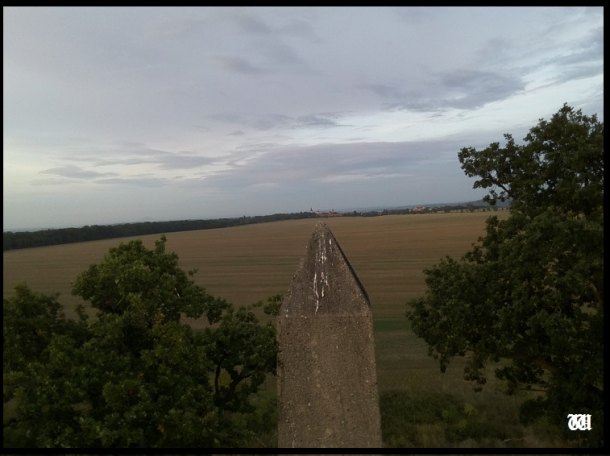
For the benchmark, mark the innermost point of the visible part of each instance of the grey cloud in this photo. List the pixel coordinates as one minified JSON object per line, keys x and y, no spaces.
{"x":276,"y":120}
{"x":84,"y":45}
{"x":237,"y":64}
{"x":74,"y":172}
{"x":123,"y":161}
{"x":270,"y":121}
{"x":592,"y":54}
{"x":281,"y":53}
{"x":183,"y":161}
{"x":300,"y":27}
{"x":477,"y":88}
{"x":415,"y":15}
{"x":580,"y":72}
{"x":582,"y":59}
{"x":268,"y":42}
{"x":263,"y":36}
{"x":465,"y":89}
{"x":170,"y":28}
{"x":366,"y":176}
{"x":314,"y":120}
{"x":228,"y":117}
{"x":494,"y":50}
{"x":336,"y":162}
{"x":585,"y":61}
{"x":593,"y":11}
{"x":259,"y":122}
{"x":141,"y":156}
{"x":136,"y":181}
{"x":49,"y":181}
{"x":251,"y":24}
{"x":385,"y":90}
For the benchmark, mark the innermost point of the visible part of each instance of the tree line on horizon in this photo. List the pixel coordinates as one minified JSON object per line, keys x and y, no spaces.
{"x":13,"y":240}
{"x":25,"y":239}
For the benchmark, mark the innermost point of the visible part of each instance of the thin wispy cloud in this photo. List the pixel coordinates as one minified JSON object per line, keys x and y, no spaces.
{"x":134,"y":181}
{"x":335,"y":163}
{"x":74,"y":172}
{"x":237,"y":64}
{"x":138,"y":156}
{"x":461,"y":89}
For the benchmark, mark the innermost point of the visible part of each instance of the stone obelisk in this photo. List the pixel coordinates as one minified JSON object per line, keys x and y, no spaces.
{"x":327,"y":380}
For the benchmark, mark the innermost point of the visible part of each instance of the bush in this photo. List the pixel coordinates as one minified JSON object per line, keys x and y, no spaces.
{"x":425,"y":419}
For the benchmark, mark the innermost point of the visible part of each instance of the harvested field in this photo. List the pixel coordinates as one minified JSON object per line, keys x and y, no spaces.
{"x":248,"y":263}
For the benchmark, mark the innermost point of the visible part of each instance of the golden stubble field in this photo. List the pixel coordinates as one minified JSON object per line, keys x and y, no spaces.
{"x":249,"y":263}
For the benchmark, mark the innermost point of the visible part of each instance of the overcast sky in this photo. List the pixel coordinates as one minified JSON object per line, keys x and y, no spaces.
{"x":131,"y":114}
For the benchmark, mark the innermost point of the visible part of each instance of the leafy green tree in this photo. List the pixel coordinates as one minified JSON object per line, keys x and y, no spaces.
{"x":30,"y":320}
{"x":529,"y":295}
{"x":135,"y":376}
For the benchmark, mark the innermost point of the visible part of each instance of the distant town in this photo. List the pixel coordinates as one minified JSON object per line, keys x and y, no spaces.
{"x":470,"y":206}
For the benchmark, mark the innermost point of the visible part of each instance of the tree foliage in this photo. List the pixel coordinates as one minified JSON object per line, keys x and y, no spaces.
{"x":529,"y":295}
{"x":135,"y":376}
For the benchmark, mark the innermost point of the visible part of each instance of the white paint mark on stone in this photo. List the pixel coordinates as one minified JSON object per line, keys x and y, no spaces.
{"x":315,"y":290}
{"x":321,"y":289}
{"x":321,"y":254}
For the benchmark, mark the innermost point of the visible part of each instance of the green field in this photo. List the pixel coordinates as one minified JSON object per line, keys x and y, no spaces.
{"x":249,"y":263}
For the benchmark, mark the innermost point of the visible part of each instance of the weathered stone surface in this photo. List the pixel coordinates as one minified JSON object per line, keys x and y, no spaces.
{"x":327,"y":380}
